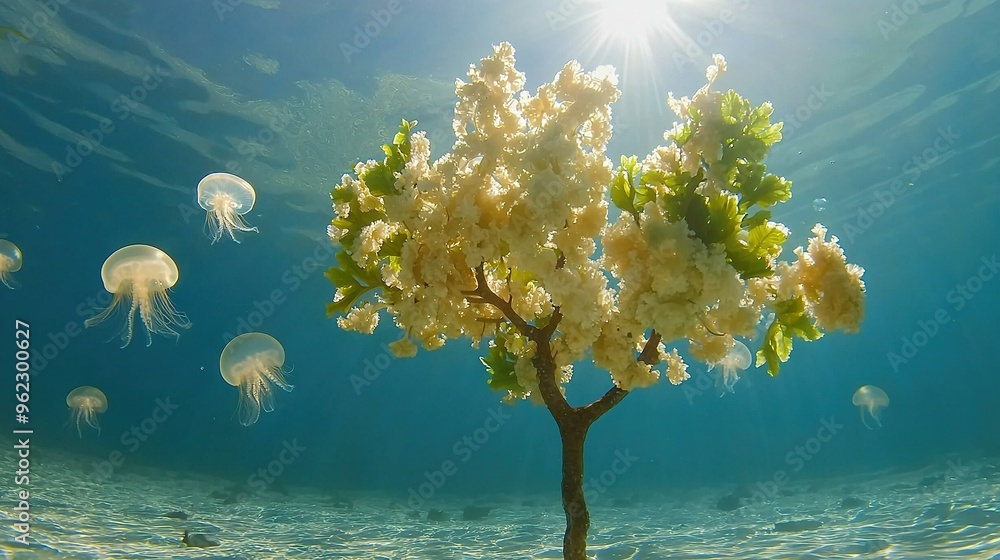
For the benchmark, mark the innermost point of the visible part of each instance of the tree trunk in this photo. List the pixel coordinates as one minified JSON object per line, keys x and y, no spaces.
{"x":573,"y":432}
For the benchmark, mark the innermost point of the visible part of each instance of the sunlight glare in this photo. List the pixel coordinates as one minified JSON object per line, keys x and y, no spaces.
{"x":631,"y":20}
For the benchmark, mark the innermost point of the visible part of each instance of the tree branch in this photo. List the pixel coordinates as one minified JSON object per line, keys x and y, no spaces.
{"x":483,"y":294}
{"x":649,"y":355}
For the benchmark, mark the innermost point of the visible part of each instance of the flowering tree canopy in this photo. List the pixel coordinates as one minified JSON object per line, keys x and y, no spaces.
{"x":520,"y":205}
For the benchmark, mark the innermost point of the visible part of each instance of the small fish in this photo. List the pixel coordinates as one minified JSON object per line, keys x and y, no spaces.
{"x":176,"y":515}
{"x":12,"y":31}
{"x":198,"y":541}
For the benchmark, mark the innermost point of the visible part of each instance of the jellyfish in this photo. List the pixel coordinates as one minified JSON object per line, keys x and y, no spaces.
{"x":227,"y":198}
{"x":139,"y":276}
{"x":737,"y":359}
{"x":870,"y":398}
{"x":253,"y":362}
{"x":85,"y":404}
{"x":10,"y":261}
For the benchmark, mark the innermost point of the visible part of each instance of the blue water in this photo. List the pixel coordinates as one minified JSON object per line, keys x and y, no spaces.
{"x":861,"y":100}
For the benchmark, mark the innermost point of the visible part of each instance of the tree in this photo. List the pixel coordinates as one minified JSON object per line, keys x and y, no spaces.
{"x":497,"y":240}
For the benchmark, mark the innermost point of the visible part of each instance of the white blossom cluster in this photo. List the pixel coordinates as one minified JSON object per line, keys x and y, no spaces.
{"x":523,"y":191}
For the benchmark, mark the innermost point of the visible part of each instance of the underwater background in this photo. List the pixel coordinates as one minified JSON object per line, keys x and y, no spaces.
{"x":890,"y":140}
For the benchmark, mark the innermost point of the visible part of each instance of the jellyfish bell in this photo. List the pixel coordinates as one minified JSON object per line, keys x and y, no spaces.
{"x":10,"y":261}
{"x":138,"y":276}
{"x":737,"y":359}
{"x":226,"y":198}
{"x":254,"y":362}
{"x":869,"y":398}
{"x":85,"y":404}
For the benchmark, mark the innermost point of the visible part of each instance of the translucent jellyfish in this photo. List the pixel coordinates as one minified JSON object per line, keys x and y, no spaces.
{"x":139,"y":276}
{"x":870,"y":398}
{"x":10,"y":261}
{"x":737,"y":359}
{"x":253,"y":362}
{"x":85,"y":404}
{"x":227,"y":198}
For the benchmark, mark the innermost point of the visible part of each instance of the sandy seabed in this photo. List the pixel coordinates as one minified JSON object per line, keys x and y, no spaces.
{"x":947,"y":510}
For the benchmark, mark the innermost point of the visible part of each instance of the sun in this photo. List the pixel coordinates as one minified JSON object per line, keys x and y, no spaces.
{"x":637,"y":31}
{"x":632,"y":21}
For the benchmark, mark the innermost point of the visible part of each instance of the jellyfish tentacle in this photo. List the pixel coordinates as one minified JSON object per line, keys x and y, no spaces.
{"x":111,"y":309}
{"x":266,"y":397}
{"x":863,"y":421}
{"x":277,"y":376}
{"x":224,"y":217}
{"x":249,"y":405}
{"x":212,"y":228}
{"x":161,"y":315}
{"x":91,"y":418}
{"x":130,"y":320}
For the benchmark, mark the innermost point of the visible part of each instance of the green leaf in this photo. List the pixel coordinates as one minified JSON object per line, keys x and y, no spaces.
{"x":623,"y":190}
{"x":766,"y":239}
{"x":682,"y":134}
{"x":402,"y":139}
{"x":341,"y":195}
{"x":790,"y":320}
{"x":752,"y":258}
{"x":761,"y":217}
{"x":355,"y":221}
{"x":776,"y":349}
{"x":746,"y":262}
{"x":792,"y":314}
{"x":392,"y":247}
{"x":757,"y":188}
{"x":344,"y":305}
{"x":713,"y":220}
{"x":772,"y":134}
{"x":368,"y":277}
{"x":500,"y":366}
{"x":380,"y":180}
{"x":339,"y":278}
{"x":621,"y":193}
{"x":352,"y":281}
{"x":734,"y":107}
{"x":681,"y":192}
